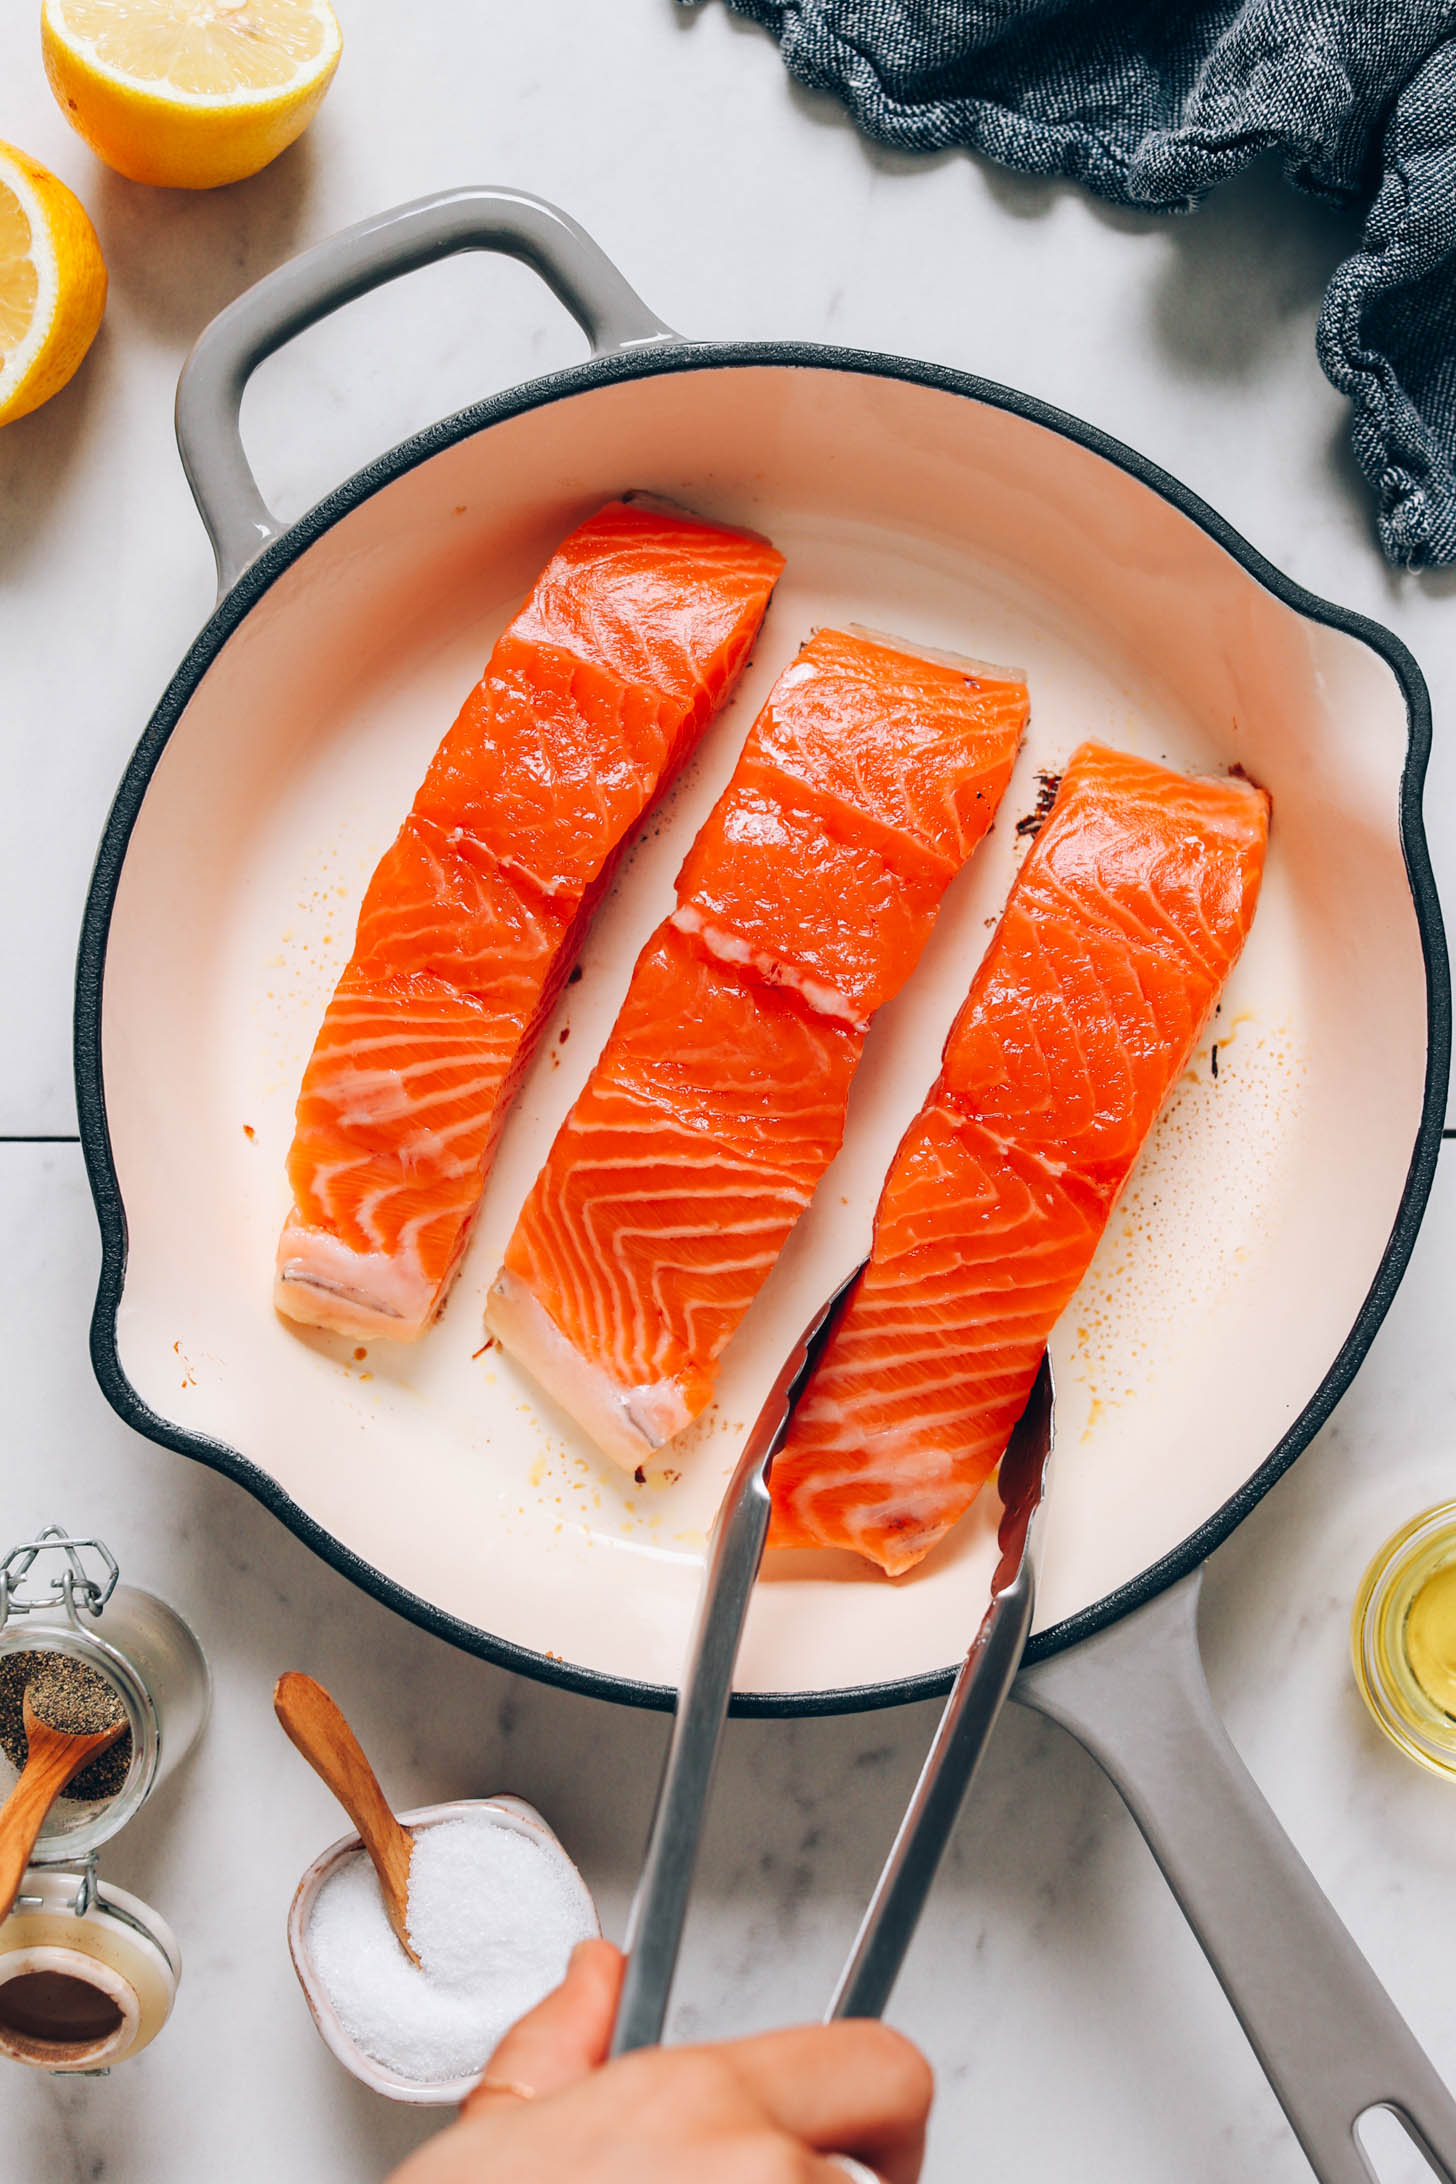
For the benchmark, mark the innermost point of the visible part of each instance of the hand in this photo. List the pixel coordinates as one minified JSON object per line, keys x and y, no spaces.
{"x":768,"y":2110}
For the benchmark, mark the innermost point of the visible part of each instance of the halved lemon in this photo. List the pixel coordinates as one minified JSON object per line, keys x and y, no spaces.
{"x":52,"y":284}
{"x":189,"y":93}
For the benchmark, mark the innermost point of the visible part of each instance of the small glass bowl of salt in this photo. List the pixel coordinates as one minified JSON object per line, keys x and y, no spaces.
{"x":495,"y":1909}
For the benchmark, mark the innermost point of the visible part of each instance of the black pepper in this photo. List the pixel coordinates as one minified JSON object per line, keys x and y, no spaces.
{"x":69,"y":1696}
{"x":1047,"y":785}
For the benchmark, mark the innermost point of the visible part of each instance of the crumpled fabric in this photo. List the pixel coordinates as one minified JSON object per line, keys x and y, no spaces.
{"x":1152,"y":104}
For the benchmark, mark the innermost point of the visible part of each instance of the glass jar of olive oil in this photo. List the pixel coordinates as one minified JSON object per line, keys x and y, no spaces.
{"x":1403,"y":1639}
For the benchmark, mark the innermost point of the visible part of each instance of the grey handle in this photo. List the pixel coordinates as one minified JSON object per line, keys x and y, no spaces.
{"x":210,"y":391}
{"x":1328,"y":2036}
{"x":964,"y":1730}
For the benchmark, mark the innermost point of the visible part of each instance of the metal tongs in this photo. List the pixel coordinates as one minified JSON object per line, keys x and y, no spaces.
{"x":654,"y":1930}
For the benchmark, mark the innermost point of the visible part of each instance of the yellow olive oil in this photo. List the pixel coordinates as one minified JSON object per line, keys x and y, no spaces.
{"x":1403,"y":1639}
{"x":1430,"y":1638}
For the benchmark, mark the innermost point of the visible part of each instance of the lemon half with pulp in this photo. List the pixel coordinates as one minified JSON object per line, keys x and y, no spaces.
{"x":189,"y":93}
{"x":52,"y":284}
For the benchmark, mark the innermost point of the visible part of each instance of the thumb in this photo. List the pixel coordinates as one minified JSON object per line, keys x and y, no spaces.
{"x":564,"y":2038}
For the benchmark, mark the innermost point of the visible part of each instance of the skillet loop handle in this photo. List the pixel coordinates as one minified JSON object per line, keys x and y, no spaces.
{"x":210,"y":391}
{"x":1328,"y":2036}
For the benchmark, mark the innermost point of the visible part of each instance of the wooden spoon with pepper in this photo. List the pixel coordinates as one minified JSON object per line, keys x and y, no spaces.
{"x":53,"y":1757}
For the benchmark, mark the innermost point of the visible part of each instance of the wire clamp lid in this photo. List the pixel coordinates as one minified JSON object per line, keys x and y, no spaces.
{"x":74,"y":1586}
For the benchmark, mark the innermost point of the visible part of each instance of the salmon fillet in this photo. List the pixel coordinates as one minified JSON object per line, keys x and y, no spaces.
{"x":720,"y":1098}
{"x":1124,"y":922}
{"x":594,"y":694}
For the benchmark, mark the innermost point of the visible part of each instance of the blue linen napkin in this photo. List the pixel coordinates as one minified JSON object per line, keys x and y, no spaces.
{"x":1152,"y":103}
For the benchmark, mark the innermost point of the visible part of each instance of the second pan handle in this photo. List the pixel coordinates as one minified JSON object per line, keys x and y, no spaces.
{"x":210,"y":391}
{"x":1330,"y":2039}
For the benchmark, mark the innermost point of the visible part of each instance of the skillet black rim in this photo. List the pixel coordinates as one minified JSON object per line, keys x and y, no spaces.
{"x":244,"y":595}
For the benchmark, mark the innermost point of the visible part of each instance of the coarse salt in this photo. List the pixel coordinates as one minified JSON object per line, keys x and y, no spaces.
{"x":494,"y":1913}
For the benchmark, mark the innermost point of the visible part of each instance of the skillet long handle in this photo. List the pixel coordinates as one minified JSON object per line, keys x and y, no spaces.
{"x":1328,"y":2036}
{"x":210,"y":391}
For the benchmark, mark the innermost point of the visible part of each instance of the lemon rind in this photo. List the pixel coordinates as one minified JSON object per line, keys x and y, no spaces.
{"x":20,"y":363}
{"x":162,"y":93}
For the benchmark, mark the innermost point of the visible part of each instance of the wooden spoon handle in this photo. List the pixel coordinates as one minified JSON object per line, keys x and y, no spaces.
{"x":49,"y":1768}
{"x":314,"y":1724}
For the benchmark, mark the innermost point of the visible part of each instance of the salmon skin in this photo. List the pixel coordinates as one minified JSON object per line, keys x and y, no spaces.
{"x":594,"y":694}
{"x":1124,"y":922}
{"x":719,"y":1100}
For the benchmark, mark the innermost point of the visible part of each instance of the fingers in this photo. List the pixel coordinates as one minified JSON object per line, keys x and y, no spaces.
{"x":853,"y":2088}
{"x":564,"y":2038}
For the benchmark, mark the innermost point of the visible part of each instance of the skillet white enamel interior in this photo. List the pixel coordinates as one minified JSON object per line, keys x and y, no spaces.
{"x":1233,"y":1270}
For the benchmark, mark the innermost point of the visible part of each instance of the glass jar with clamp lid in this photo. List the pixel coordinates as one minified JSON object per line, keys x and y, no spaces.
{"x":61,"y":1602}
{"x":87,"y":1972}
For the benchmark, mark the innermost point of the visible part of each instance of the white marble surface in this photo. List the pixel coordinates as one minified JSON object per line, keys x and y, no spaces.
{"x":1070,"y":2016}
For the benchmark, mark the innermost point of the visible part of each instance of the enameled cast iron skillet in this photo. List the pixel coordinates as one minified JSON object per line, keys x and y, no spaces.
{"x":1254,"y":1256}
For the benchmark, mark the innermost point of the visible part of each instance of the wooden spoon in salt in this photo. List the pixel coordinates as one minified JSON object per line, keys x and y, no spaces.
{"x":52,"y":1757}
{"x":314,"y":1724}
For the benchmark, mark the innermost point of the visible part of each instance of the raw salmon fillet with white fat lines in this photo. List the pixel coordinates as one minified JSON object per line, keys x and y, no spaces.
{"x":594,"y":694}
{"x":1124,"y":922}
{"x":719,"y":1100}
